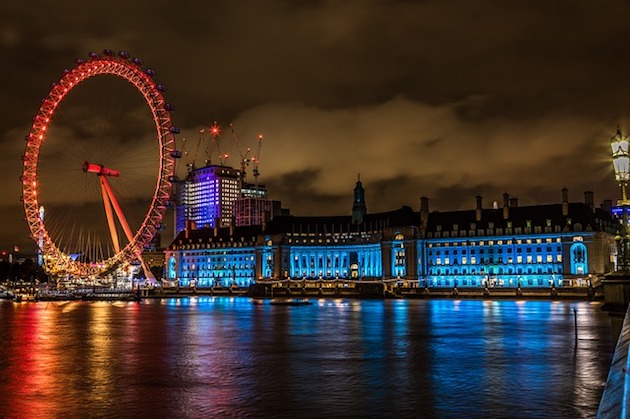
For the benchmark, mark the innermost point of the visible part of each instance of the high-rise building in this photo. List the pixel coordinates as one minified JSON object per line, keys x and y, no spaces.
{"x":206,"y":197}
{"x":217,"y":196}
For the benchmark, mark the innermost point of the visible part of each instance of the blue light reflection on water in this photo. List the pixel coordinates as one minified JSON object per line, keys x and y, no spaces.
{"x":201,"y":357}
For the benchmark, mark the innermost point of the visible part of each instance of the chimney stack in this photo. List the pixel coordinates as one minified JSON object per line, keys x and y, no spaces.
{"x":478,"y":210}
{"x":565,"y":201}
{"x":216,"y":227}
{"x":266,"y":218}
{"x":424,"y":204}
{"x":513,"y":202}
{"x":606,"y":205}
{"x":506,"y":206}
{"x":190,"y":225}
{"x":588,"y":200}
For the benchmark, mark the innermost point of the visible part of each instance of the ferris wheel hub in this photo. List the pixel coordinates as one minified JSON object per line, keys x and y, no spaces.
{"x":99,"y":169}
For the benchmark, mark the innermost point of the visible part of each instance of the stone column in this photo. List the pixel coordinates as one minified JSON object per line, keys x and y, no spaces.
{"x":616,"y":297}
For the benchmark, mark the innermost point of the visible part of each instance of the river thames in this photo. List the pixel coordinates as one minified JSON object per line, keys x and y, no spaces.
{"x":227,"y":357}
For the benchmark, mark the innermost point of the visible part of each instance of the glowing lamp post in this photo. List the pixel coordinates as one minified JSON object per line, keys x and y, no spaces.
{"x":621,"y":164}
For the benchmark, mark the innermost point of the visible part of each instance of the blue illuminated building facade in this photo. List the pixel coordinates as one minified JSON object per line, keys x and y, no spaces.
{"x":206,"y":197}
{"x":542,"y":245}
{"x":565,"y":244}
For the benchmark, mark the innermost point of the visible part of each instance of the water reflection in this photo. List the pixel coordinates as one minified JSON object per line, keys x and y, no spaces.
{"x":208,"y":356}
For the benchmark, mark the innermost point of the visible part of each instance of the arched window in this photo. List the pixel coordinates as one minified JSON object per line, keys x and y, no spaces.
{"x":579,"y":259}
{"x":172,"y":264}
{"x":399,"y":262}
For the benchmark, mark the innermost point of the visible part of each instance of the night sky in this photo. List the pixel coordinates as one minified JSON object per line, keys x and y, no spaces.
{"x":446,"y":99}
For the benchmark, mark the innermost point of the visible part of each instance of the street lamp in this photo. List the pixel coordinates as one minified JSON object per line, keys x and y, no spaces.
{"x":621,"y":164}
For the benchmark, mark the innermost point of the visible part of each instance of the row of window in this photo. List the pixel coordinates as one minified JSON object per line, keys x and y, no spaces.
{"x":215,"y":259}
{"x":491,"y":251}
{"x":498,"y":271}
{"x":473,"y":260}
{"x":497,"y":242}
{"x":202,"y":267}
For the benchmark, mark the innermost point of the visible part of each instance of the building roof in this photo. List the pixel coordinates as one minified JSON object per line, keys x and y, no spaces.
{"x":538,"y":215}
{"x":218,"y":235}
{"x":551,"y":215}
{"x":402,"y":217}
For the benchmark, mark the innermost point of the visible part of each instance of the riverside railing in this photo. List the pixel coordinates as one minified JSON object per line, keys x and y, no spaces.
{"x":615,"y":401}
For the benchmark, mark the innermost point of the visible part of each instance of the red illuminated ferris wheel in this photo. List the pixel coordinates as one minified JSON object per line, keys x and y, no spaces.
{"x":74,"y":171}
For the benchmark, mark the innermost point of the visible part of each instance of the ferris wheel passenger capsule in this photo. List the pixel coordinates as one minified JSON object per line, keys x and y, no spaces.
{"x":161,"y":88}
{"x":94,"y":55}
{"x":174,"y":129}
{"x":124,"y":55}
{"x":79,"y":61}
{"x":149,"y":72}
{"x":176,"y":154}
{"x":137,"y":61}
{"x":169,"y":107}
{"x":108,"y":52}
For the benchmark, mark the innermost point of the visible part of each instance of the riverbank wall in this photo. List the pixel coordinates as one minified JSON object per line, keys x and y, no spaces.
{"x":380,"y":290}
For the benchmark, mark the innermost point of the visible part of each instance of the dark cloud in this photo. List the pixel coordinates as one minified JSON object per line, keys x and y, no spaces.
{"x":299,"y":190}
{"x":447,"y":99}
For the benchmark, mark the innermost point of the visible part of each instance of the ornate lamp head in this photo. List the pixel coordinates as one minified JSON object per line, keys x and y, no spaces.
{"x":621,"y":162}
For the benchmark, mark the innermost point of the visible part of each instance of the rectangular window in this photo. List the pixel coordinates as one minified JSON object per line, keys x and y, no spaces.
{"x":559,"y":258}
{"x":519,"y":259}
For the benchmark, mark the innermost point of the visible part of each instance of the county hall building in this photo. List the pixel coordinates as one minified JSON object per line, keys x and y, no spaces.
{"x":563,"y":244}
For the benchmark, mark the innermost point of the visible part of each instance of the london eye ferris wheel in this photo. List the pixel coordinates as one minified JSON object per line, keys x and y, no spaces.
{"x":99,"y":163}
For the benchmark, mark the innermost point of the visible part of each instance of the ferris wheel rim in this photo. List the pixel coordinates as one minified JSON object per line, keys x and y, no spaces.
{"x":132,"y":72}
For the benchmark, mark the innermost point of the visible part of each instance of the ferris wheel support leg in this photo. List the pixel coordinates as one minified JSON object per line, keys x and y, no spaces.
{"x":110,"y":215}
{"x":147,"y":272}
{"x":107,"y":190}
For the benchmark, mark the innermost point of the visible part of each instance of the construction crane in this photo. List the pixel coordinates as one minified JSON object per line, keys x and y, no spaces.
{"x":243,"y":151}
{"x":215,"y":132}
{"x":256,"y":161}
{"x":190,"y":160}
